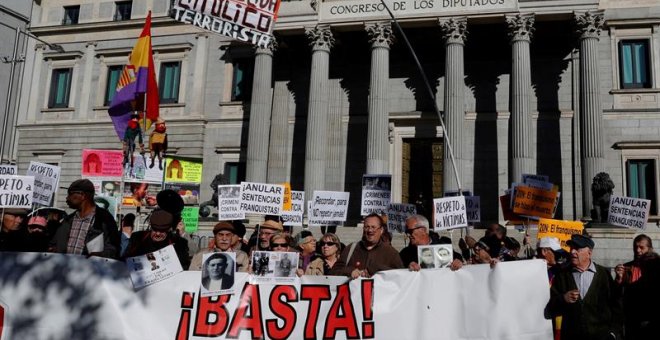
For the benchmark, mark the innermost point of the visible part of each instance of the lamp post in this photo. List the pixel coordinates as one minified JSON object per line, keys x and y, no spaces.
{"x":14,"y":60}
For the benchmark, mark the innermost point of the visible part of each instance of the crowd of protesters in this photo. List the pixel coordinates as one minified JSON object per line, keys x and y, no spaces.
{"x":587,"y":301}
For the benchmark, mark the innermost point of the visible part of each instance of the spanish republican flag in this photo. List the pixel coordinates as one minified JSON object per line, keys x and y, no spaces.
{"x":137,"y":81}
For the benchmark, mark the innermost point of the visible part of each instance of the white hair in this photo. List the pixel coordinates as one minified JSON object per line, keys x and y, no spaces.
{"x":420,"y":221}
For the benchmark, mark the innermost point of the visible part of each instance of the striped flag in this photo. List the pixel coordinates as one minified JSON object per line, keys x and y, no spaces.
{"x":138,"y":79}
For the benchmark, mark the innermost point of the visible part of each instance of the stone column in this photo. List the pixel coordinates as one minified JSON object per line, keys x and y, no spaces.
{"x":378,"y":146}
{"x":83,"y":108}
{"x":521,"y":27}
{"x":593,"y":154}
{"x":454,"y":31}
{"x":260,"y":108}
{"x":321,"y":41}
{"x":279,"y":134}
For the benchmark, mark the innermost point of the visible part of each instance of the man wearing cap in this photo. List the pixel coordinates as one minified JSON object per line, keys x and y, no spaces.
{"x":549,"y":249}
{"x":86,"y":224}
{"x":306,"y":245}
{"x":417,"y":230}
{"x":585,"y":295}
{"x":266,"y":230}
{"x":223,"y":235}
{"x":369,"y":255}
{"x":12,"y":236}
{"x":160,"y":235}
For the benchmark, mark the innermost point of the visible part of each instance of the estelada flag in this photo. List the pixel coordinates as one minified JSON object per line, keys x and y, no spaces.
{"x":137,"y":80}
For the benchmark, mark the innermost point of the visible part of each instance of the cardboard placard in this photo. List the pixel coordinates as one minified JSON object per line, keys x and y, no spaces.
{"x":16,"y":191}
{"x":7,"y":169}
{"x":449,"y":213}
{"x":376,"y":194}
{"x":562,"y":230}
{"x":46,"y":181}
{"x":261,"y":198}
{"x":102,"y":163}
{"x":294,"y":217}
{"x":629,"y":212}
{"x":329,"y":206}
{"x":229,"y":203}
{"x":534,"y":202}
{"x":397,"y":214}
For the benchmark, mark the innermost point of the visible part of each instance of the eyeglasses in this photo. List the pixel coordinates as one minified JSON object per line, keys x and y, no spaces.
{"x":329,"y":244}
{"x":372,"y":227}
{"x":410,"y":231}
{"x":279,"y":245}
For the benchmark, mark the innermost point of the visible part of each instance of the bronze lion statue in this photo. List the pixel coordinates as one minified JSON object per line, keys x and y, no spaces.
{"x":601,"y":191}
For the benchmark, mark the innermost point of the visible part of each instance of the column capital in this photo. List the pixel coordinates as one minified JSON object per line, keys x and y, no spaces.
{"x":380,"y":33}
{"x":269,"y":49}
{"x":320,"y":37}
{"x":590,"y":23}
{"x":454,"y":30}
{"x":91,"y":43}
{"x":521,"y":26}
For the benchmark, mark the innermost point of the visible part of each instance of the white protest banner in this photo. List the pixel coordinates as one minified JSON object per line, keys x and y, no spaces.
{"x":100,"y":290}
{"x":8,"y":169}
{"x":329,"y":206}
{"x":294,"y":217}
{"x":261,"y":198}
{"x":376,"y":194}
{"x":397,"y":213}
{"x":46,"y":181}
{"x":16,"y":191}
{"x":248,"y":21}
{"x":229,"y":203}
{"x":450,"y":213}
{"x":153,"y":267}
{"x":473,"y":206}
{"x":629,"y":212}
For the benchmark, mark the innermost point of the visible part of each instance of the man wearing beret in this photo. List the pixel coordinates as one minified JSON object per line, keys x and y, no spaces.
{"x":160,"y":235}
{"x":223,"y":235}
{"x":86,"y":224}
{"x":585,"y":295}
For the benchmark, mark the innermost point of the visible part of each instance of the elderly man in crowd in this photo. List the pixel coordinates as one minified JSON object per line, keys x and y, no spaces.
{"x":306,"y":245}
{"x":266,"y":230}
{"x":369,"y":255}
{"x":640,"y":280}
{"x":13,"y":236}
{"x":86,"y":224}
{"x":417,"y":230}
{"x":160,"y":235}
{"x":586,"y":297}
{"x":223,"y":235}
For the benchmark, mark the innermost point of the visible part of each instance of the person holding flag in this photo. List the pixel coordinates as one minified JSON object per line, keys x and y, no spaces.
{"x":136,"y":91}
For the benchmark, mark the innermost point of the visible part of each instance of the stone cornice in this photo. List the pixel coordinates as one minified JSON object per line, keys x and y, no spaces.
{"x":380,"y":33}
{"x":454,"y":30}
{"x":521,"y":27}
{"x":589,"y":24}
{"x":320,"y":37}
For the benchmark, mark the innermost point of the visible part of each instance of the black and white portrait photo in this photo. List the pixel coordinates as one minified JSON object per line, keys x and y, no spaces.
{"x":218,"y":270}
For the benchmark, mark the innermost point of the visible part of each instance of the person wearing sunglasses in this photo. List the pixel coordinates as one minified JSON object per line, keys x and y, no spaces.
{"x":417,"y":231}
{"x":330,"y":250}
{"x":280,"y":242}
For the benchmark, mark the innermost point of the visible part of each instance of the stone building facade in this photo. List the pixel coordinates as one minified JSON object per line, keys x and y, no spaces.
{"x":560,"y":88}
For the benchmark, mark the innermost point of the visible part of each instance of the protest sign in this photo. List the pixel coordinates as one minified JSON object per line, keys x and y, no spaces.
{"x":251,"y":22}
{"x":294,"y":216}
{"x":274,"y":267}
{"x":530,"y":201}
{"x":449,"y":213}
{"x":260,"y":198}
{"x":473,"y":206}
{"x":8,"y":169}
{"x":532,"y":183}
{"x":102,"y":163}
{"x":108,"y":193}
{"x":286,"y":204}
{"x":16,"y":191}
{"x":218,"y":271}
{"x":229,"y":203}
{"x":376,"y":194}
{"x":397,"y":214}
{"x":312,"y":222}
{"x":142,"y":172}
{"x":540,"y":178}
{"x":183,"y":170}
{"x":46,"y":180}
{"x":329,"y":206}
{"x":189,"y":192}
{"x":629,"y":212}
{"x":357,"y":309}
{"x":140,"y":194}
{"x":435,"y":256}
{"x":190,"y":218}
{"x":153,"y":267}
{"x":562,"y":230}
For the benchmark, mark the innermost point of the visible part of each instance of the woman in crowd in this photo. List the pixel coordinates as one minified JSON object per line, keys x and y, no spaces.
{"x":330,"y":249}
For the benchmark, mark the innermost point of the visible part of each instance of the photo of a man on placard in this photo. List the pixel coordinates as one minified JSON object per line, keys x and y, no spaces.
{"x":435,"y":256}
{"x":218,"y":272}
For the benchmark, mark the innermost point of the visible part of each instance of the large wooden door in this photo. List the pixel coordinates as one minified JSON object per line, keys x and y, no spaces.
{"x":421,"y":172}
